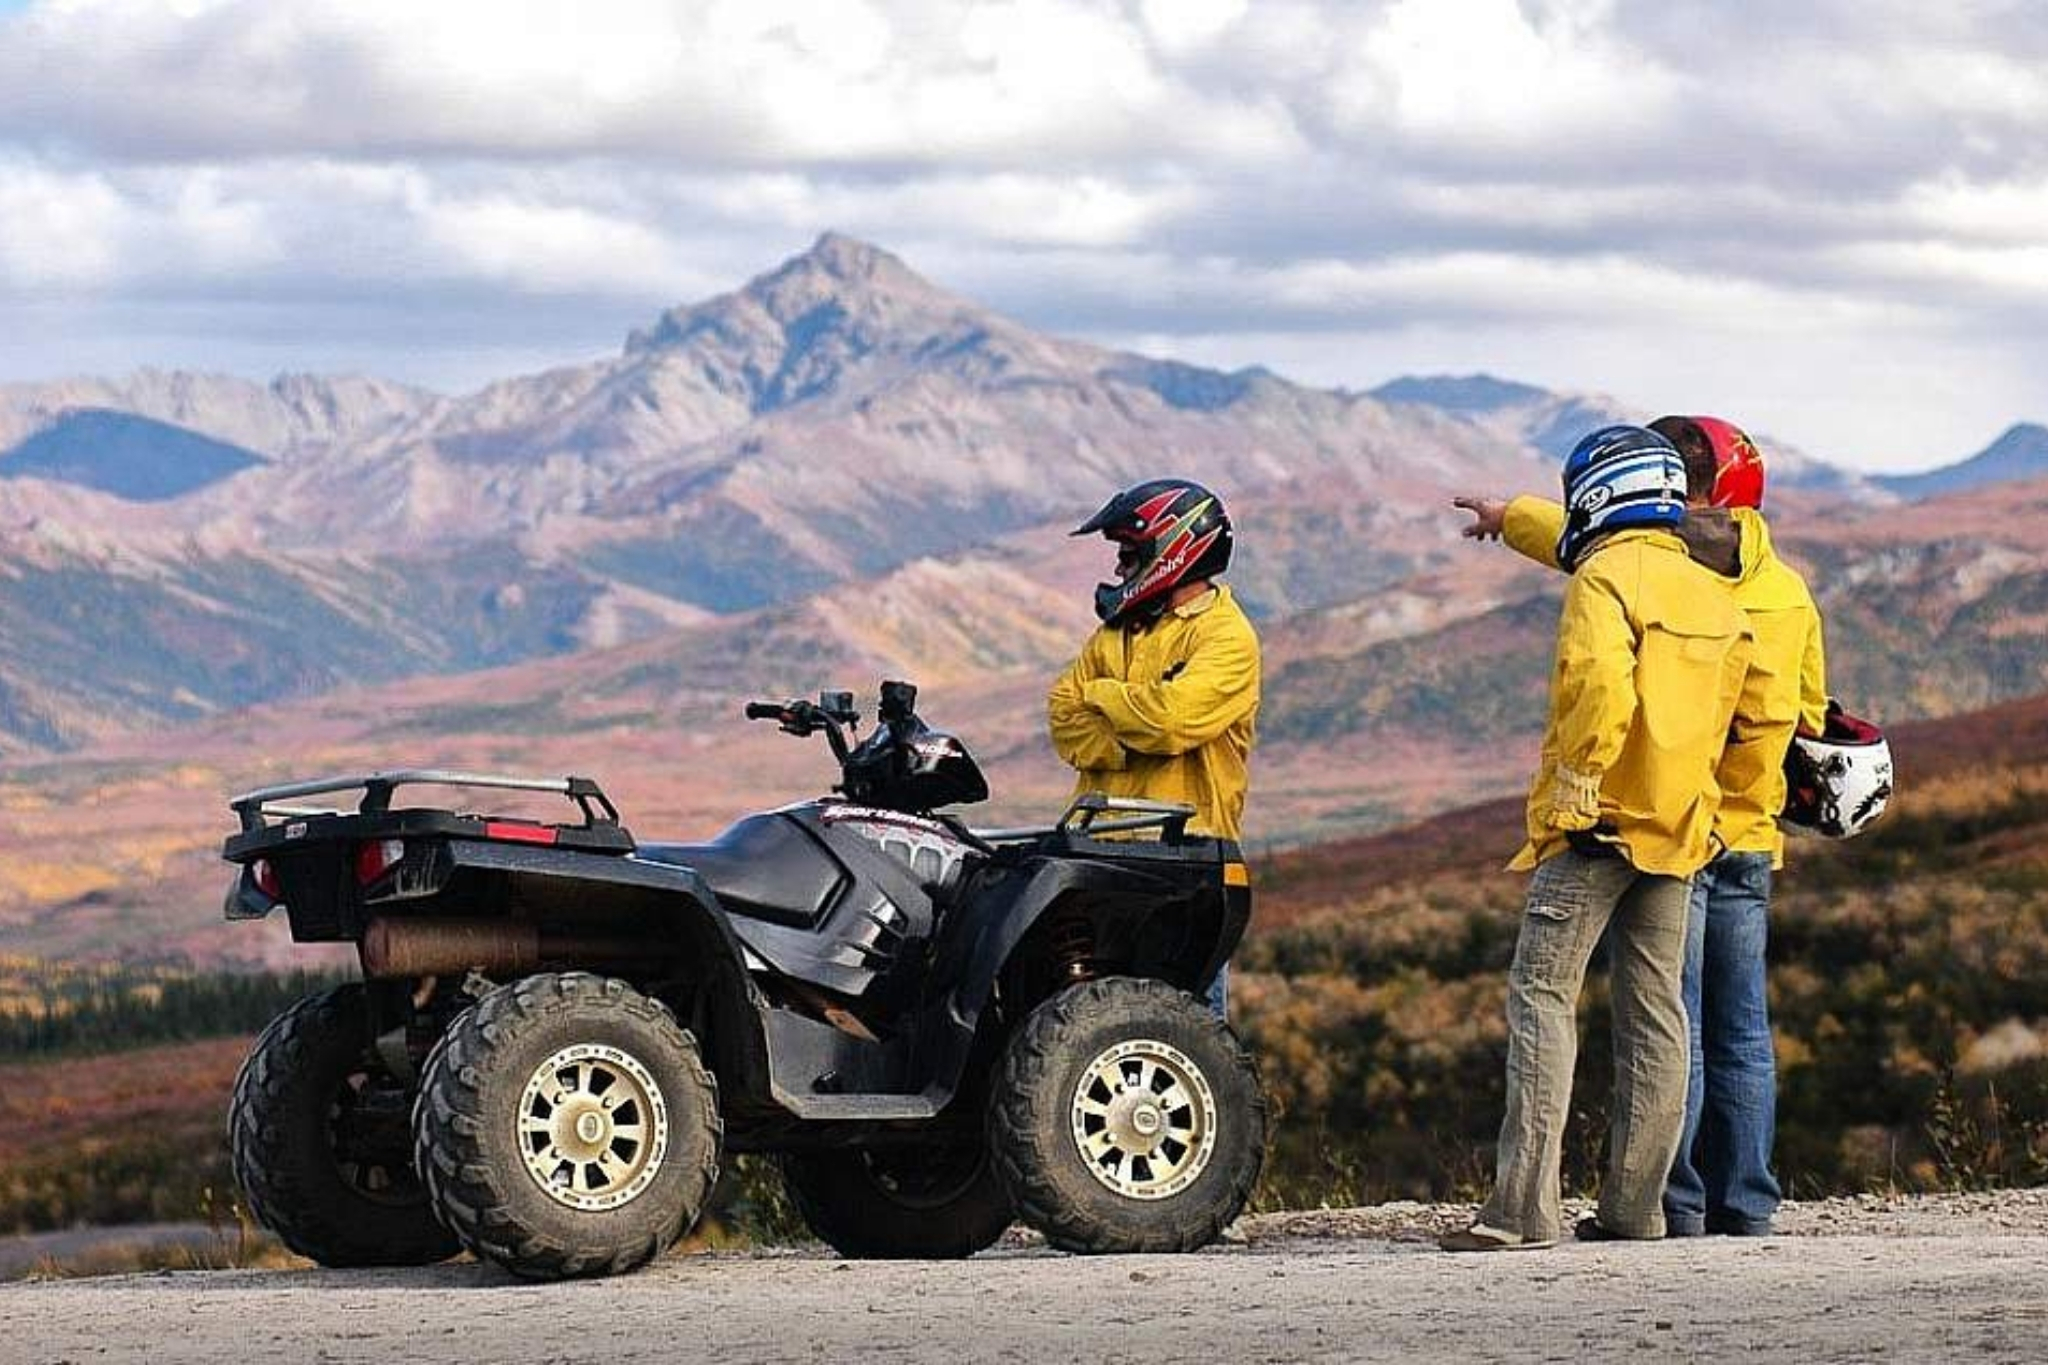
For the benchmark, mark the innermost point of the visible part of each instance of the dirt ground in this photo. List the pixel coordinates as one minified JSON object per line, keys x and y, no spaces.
{"x":1938,"y":1279}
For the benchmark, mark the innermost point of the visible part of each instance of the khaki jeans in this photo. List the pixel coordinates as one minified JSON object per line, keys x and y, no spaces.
{"x":1572,"y":899}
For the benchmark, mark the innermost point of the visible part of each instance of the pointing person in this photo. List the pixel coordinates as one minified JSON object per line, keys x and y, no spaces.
{"x":1651,"y":670}
{"x":1722,"y":1180}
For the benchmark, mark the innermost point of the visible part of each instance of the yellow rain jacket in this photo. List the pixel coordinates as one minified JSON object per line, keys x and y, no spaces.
{"x":1166,"y":711}
{"x":1789,"y":655}
{"x":1651,"y":678}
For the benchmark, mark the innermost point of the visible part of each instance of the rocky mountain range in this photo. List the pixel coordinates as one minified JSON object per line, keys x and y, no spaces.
{"x":837,"y":419}
{"x":210,"y":543}
{"x":835,"y":473}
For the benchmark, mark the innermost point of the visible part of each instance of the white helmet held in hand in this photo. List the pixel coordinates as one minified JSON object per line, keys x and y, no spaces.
{"x":1837,"y":782}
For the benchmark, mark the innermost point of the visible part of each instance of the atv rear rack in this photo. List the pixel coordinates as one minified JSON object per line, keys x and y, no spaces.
{"x":1170,"y":818}
{"x":255,"y":806}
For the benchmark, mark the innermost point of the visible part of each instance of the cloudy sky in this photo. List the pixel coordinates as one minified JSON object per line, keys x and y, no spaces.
{"x":1827,"y":220}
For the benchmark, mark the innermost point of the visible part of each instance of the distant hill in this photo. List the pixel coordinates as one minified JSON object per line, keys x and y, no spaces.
{"x":1553,"y":422}
{"x":1467,"y":393}
{"x":135,"y":458}
{"x":2020,"y":453}
{"x":293,"y":412}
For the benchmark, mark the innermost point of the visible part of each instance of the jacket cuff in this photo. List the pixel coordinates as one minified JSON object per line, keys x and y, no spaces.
{"x":1574,"y":799}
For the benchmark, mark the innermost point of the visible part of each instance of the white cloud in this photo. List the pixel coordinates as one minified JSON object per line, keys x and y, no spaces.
{"x":1493,"y":75}
{"x":1457,"y":176}
{"x":545,"y":247}
{"x":58,"y":230}
{"x":1184,"y":26}
{"x":721,"y":82}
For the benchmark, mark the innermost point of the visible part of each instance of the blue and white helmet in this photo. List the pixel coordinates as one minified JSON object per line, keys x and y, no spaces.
{"x":1619,"y":476}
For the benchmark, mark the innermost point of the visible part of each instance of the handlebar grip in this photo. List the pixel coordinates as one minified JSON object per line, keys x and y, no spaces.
{"x":765,"y":710}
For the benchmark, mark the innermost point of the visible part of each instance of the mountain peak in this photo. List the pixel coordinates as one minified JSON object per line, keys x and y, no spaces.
{"x":852,"y":260}
{"x":841,"y":274}
{"x":792,"y":333}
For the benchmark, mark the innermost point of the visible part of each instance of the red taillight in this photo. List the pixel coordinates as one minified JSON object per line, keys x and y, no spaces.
{"x":377,"y":857}
{"x":266,"y":879}
{"x":519,"y":832}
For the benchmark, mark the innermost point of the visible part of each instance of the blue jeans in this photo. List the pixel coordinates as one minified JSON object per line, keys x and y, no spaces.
{"x":1219,"y":994}
{"x":1722,"y":1180}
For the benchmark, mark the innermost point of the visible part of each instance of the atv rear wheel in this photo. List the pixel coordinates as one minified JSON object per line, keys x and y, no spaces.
{"x":900,"y":1203}
{"x":318,"y":1137}
{"x":1127,"y":1117}
{"x":567,"y":1126}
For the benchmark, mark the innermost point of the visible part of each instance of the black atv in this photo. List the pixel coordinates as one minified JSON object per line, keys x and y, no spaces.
{"x":560,"y":1030}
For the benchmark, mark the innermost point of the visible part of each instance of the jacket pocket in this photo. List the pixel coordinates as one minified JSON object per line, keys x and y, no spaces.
{"x":1557,"y":891}
{"x":1679,"y":684}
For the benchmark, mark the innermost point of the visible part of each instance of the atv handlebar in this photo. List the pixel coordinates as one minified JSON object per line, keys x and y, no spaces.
{"x":801,"y":718}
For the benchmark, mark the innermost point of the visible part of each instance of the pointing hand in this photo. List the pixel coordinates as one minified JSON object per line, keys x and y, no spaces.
{"x":1488,"y":516}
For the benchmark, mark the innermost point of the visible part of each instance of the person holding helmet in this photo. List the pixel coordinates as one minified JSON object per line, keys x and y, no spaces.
{"x":1721,"y":1180}
{"x":1652,"y":674}
{"x":1162,"y":701}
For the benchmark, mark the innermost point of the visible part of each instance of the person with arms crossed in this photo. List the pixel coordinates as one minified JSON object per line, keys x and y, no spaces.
{"x":1162,"y":702}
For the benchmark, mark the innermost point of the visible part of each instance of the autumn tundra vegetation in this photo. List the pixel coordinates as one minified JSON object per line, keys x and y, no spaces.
{"x":1909,"y":971}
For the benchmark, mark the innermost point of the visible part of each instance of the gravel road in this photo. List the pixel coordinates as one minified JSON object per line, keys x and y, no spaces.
{"x":1952,"y":1278}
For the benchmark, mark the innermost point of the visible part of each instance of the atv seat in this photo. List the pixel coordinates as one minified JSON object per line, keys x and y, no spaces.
{"x":763,"y":868}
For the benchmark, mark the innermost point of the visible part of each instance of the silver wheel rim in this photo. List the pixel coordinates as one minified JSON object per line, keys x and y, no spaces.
{"x":592,"y":1127}
{"x":1144,"y":1120}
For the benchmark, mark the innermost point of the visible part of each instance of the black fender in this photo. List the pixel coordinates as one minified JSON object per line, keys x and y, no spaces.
{"x":1051,"y":884}
{"x":1156,"y":922}
{"x":688,"y":924}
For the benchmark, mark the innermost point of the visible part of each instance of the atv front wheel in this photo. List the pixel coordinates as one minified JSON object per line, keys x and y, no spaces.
{"x":567,"y":1126}
{"x":318,"y":1135}
{"x":1127,"y":1117}
{"x":900,"y":1203}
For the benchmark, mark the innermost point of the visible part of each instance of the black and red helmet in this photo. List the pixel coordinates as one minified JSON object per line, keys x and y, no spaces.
{"x":1178,"y":533}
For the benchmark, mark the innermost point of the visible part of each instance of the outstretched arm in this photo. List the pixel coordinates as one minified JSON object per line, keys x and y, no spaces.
{"x":1530,"y":526}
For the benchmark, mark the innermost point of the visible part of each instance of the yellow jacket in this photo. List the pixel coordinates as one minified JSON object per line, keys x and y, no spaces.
{"x":1165,"y":711}
{"x":1652,"y":669}
{"x":1789,"y":655}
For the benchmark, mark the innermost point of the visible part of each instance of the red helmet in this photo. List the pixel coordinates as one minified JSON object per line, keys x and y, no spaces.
{"x":1738,"y":464}
{"x":1176,"y":531}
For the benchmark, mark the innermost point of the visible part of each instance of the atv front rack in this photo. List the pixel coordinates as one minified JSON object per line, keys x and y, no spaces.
{"x":1170,"y":818}
{"x":255,"y":807}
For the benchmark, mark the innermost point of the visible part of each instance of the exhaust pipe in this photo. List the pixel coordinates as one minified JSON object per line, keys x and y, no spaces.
{"x":442,"y":947}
